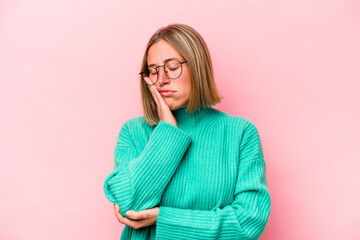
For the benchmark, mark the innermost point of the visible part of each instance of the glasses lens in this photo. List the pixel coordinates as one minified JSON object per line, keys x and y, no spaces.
{"x":173,"y":69}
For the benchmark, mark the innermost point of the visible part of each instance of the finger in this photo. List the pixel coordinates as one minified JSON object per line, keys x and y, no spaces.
{"x":159,"y":99}
{"x":117,"y":213}
{"x":123,"y":220}
{"x":134,"y":215}
{"x":132,"y":223}
{"x":142,"y":223}
{"x":155,"y":96}
{"x":148,"y":81}
{"x":138,"y":215}
{"x":152,"y":90}
{"x":155,"y":92}
{"x":116,"y":208}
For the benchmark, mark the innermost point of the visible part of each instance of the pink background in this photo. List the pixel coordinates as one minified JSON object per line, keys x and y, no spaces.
{"x":69,"y":79}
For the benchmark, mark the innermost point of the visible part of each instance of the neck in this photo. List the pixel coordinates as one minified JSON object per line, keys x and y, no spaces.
{"x":195,"y":120}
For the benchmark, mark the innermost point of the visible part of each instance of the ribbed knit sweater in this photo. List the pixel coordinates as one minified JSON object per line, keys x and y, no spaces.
{"x":208,"y":176}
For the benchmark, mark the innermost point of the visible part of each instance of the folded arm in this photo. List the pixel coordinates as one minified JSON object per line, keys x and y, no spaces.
{"x":139,"y":180}
{"x":245,"y":218}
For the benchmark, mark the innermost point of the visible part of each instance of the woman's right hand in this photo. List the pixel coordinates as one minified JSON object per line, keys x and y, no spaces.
{"x":163,"y":109}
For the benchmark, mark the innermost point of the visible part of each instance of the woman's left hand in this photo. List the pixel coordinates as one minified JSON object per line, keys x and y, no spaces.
{"x":143,"y":218}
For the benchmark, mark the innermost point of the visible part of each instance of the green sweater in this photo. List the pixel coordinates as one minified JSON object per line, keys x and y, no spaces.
{"x":208,"y":176}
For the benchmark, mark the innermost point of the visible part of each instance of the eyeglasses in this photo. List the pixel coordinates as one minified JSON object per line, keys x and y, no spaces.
{"x":173,"y":69}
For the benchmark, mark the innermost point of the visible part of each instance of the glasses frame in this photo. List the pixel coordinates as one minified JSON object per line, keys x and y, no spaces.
{"x":157,"y":72}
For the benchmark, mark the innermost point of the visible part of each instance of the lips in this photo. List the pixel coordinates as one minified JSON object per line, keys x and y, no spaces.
{"x":164,"y":91}
{"x":167,"y":93}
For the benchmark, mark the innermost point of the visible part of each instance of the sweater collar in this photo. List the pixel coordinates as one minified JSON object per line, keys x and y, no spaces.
{"x":198,"y":118}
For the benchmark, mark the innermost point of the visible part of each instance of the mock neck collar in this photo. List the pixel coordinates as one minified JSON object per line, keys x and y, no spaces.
{"x":199,"y":118}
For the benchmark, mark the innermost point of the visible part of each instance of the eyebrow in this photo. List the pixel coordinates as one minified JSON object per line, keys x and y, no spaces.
{"x":166,"y":60}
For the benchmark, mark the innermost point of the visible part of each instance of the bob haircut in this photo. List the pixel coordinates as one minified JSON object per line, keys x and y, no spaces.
{"x":192,"y":47}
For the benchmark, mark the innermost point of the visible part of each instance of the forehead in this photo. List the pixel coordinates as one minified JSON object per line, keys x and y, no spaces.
{"x":161,"y":51}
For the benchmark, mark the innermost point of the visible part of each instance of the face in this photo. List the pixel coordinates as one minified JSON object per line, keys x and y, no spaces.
{"x":157,"y":55}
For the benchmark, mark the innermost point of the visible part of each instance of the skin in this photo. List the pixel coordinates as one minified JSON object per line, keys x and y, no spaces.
{"x":142,"y":219}
{"x":157,"y":53}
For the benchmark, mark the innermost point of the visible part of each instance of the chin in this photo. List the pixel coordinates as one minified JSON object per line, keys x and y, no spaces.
{"x":177,"y":106}
{"x":174,"y":108}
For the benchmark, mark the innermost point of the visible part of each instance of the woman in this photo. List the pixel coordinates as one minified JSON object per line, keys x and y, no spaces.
{"x":185,"y":170}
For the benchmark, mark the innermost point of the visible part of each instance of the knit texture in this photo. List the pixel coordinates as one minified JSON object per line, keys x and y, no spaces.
{"x":208,"y":176}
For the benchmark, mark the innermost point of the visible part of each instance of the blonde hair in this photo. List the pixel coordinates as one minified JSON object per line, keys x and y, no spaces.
{"x":192,"y":47}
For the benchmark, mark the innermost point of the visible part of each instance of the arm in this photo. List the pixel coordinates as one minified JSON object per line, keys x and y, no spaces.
{"x":139,"y":180}
{"x":245,"y":218}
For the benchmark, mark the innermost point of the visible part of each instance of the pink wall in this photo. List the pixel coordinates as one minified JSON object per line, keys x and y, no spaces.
{"x":69,"y":79}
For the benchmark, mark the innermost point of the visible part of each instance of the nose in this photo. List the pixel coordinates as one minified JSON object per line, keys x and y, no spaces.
{"x":163,"y":78}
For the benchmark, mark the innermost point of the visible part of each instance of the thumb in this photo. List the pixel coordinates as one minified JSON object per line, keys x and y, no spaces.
{"x":133,"y":214}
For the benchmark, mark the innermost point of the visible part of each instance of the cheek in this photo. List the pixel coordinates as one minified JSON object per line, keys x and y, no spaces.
{"x":186,"y":82}
{"x":184,"y":87}
{"x":188,"y":86}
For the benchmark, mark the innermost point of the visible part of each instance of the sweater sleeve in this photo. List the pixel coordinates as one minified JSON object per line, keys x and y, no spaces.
{"x":245,"y":218}
{"x":138,"y":180}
